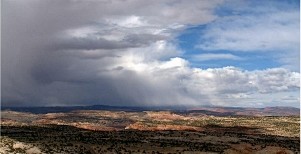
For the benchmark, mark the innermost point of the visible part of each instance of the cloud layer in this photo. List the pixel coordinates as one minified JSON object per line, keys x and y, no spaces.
{"x":123,"y":53}
{"x":265,"y":27}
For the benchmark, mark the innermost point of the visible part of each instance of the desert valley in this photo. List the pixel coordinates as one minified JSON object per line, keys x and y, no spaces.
{"x":202,"y":130}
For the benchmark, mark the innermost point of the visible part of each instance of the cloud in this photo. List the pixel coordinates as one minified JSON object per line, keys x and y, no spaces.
{"x":265,"y":28}
{"x":156,"y":82}
{"x":213,"y":56}
{"x":57,"y":52}
{"x":119,"y":53}
{"x":270,"y":31}
{"x":193,"y":86}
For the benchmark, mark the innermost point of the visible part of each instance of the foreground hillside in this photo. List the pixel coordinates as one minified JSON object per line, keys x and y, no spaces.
{"x":99,"y":131}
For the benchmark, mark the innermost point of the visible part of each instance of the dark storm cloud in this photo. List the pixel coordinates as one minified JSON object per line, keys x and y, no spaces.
{"x":90,"y":44}
{"x":130,"y":41}
{"x":41,"y":65}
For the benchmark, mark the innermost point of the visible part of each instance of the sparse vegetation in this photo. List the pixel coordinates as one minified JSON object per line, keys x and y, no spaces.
{"x":146,"y":132}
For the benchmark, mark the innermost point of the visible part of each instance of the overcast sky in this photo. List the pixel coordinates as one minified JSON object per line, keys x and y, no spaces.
{"x":139,"y":52}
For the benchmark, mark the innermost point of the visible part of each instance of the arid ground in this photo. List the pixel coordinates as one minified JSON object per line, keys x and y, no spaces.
{"x":100,"y":131}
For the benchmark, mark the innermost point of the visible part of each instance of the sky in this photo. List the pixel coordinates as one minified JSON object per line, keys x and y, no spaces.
{"x":239,"y":53}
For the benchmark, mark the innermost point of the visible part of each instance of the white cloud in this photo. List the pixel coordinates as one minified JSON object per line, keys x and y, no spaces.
{"x":129,"y":22}
{"x":252,"y":32}
{"x":215,"y":56}
{"x":217,"y":86}
{"x":276,"y":32}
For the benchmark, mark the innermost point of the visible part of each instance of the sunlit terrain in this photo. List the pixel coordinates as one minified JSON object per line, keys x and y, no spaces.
{"x":99,"y":131}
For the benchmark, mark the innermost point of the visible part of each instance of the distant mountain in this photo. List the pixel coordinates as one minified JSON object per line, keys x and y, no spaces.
{"x":56,"y":109}
{"x":209,"y":110}
{"x":239,"y":111}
